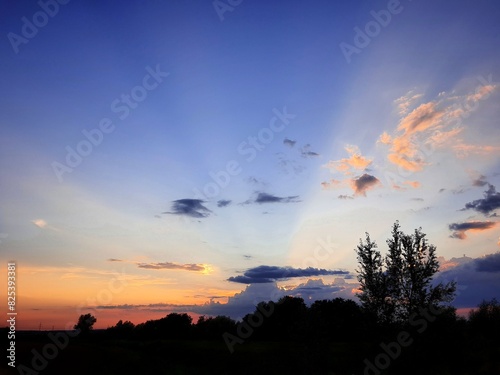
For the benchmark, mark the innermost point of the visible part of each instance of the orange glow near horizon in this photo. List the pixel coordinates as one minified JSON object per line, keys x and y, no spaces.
{"x":53,"y":297}
{"x":64,"y":318}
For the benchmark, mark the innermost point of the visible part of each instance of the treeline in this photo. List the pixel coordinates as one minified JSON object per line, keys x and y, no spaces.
{"x":290,"y":319}
{"x":333,"y":334}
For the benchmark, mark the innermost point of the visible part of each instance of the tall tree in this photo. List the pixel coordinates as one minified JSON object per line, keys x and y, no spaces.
{"x":372,"y":280}
{"x":397,"y":291}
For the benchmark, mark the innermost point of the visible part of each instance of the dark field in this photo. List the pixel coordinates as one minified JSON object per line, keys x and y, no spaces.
{"x":100,"y":355}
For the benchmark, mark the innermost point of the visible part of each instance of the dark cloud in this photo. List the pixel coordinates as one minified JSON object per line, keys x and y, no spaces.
{"x":289,"y":142}
{"x":363,"y":183}
{"x":459,"y":229}
{"x":189,"y":207}
{"x":489,"y":203}
{"x":418,"y":199}
{"x":345,"y":197}
{"x":489,"y":263}
{"x":113,"y":260}
{"x":119,"y":307}
{"x":441,"y":190}
{"x":309,"y":154}
{"x":223,"y":203}
{"x":270,"y":274}
{"x":172,"y":266}
{"x":305,"y":152}
{"x":269,"y":198}
{"x":481,"y":181}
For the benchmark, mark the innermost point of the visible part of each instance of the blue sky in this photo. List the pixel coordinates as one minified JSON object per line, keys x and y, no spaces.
{"x":310,"y":145}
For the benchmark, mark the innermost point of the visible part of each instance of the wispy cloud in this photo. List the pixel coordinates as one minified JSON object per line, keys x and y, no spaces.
{"x":413,"y":184}
{"x":288,"y":165}
{"x":289,"y":142}
{"x":355,"y":161}
{"x":463,"y":149}
{"x":404,"y":150}
{"x":189,"y":207}
{"x":436,"y":123}
{"x":423,"y":117}
{"x":306,"y":152}
{"x":114,"y":260}
{"x":40,"y":223}
{"x":405,"y":102}
{"x":480,"y":181}
{"x":459,"y":229}
{"x":255,"y":181}
{"x":270,"y":274}
{"x":332,"y":184}
{"x":174,"y":266}
{"x":223,"y":203}
{"x":441,"y":138}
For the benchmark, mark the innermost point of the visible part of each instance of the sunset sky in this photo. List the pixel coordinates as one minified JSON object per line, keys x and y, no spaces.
{"x":196,"y":156}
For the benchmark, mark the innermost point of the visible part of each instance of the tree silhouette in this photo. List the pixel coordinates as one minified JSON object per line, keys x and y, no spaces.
{"x":213,"y":328}
{"x":85,"y":323}
{"x":172,"y":326}
{"x":372,"y":279}
{"x":121,"y":329}
{"x":288,"y":318}
{"x":338,"y":319}
{"x":486,"y":319}
{"x":395,"y":293}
